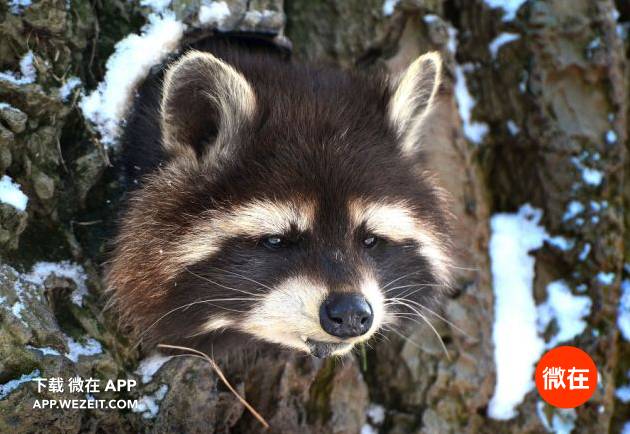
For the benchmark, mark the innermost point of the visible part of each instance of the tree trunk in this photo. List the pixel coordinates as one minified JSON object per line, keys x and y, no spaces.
{"x":547,"y":105}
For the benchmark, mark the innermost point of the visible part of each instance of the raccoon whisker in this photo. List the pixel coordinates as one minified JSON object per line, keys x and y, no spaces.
{"x":423,"y":285}
{"x":340,"y":359}
{"x":411,"y":292}
{"x":219,"y":372}
{"x":414,"y":318}
{"x":381,"y":335}
{"x":452,"y":324}
{"x":186,"y":306}
{"x":415,"y":344}
{"x":425,"y":319}
{"x":401,"y":287}
{"x":462,"y":268}
{"x":409,"y":316}
{"x":211,"y":303}
{"x":448,"y":356}
{"x":244,"y":278}
{"x":212,"y":300}
{"x":220,"y":285}
{"x":400,"y":278}
{"x":436,"y":285}
{"x":378,"y":334}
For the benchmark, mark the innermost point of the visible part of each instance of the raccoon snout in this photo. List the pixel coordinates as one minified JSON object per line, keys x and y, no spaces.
{"x":346,"y":315}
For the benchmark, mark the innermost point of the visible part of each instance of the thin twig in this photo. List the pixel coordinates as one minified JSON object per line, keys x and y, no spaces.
{"x":222,"y":377}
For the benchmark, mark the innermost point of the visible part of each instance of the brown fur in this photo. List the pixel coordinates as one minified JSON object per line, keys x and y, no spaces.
{"x":312,"y":154}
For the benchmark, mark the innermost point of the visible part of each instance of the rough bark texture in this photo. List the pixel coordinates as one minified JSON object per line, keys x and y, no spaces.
{"x":563,"y":84}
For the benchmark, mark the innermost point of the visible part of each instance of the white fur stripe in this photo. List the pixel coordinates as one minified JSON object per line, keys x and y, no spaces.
{"x":289,"y":314}
{"x":216,"y":323}
{"x":397,"y":222}
{"x":255,"y":219}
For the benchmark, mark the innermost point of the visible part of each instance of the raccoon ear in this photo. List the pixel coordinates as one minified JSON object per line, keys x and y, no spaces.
{"x":204,"y":100}
{"x":414,"y":101}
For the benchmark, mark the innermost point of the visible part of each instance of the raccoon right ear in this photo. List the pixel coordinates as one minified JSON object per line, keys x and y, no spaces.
{"x":414,"y":101}
{"x":204,"y":100}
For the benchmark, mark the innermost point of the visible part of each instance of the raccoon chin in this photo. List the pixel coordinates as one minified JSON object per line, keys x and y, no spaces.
{"x":322,"y":350}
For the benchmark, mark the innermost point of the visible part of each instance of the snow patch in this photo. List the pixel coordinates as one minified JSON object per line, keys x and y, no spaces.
{"x":573,"y":210}
{"x":46,"y":351}
{"x":605,"y":278}
{"x":451,"y":45}
{"x":253,"y":18}
{"x":598,"y":206}
{"x":66,"y":90}
{"x":389,"y":6}
{"x":611,"y":137}
{"x":566,"y":309}
{"x":512,"y":127}
{"x":595,"y":43}
{"x":522,"y":85}
{"x":157,"y":6}
{"x":501,"y":40}
{"x":76,"y":349}
{"x":214,"y":13}
{"x":11,"y":194}
{"x":614,"y":14}
{"x":148,"y":404}
{"x":126,"y":68}
{"x":430,"y":18}
{"x":10,"y":386}
{"x":623,"y":393}
{"x":17,"y":6}
{"x":563,"y":420}
{"x":540,"y":411}
{"x":150,"y":365}
{"x":561,"y":242}
{"x":623,"y":314}
{"x":510,"y":7}
{"x":474,"y":131}
{"x":376,"y":413}
{"x":592,"y":176}
{"x":517,"y":345}
{"x":16,"y":309}
{"x":27,"y":71}
{"x":64,"y":269}
{"x":585,"y":252}
{"x":368,"y":429}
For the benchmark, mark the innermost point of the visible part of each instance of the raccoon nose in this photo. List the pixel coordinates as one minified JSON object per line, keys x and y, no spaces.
{"x":346,"y":315}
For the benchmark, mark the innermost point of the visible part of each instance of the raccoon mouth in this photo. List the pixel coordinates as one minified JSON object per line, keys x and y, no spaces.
{"x":324,"y":349}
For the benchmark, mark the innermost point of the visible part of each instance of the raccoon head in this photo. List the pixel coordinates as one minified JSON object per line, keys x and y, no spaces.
{"x":293,"y":208}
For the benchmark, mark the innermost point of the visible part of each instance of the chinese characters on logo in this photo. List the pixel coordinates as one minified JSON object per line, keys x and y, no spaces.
{"x":566,"y":377}
{"x":554,"y":378}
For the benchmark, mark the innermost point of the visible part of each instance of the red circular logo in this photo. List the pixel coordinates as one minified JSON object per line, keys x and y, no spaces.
{"x":566,"y":377}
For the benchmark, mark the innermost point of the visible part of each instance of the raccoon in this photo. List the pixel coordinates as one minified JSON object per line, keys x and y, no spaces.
{"x":279,"y":203}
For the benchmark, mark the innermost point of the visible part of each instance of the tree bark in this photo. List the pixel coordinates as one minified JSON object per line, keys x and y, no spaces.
{"x":555,"y":93}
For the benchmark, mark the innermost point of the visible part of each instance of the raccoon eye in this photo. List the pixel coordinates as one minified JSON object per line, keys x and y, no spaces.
{"x":369,"y":241}
{"x":274,"y":242}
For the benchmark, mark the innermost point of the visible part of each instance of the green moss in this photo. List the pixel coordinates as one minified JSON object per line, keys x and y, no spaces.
{"x":318,"y":405}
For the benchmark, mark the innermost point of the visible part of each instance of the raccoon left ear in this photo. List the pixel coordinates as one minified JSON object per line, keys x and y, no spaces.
{"x":205,"y":104}
{"x":414,"y":100}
